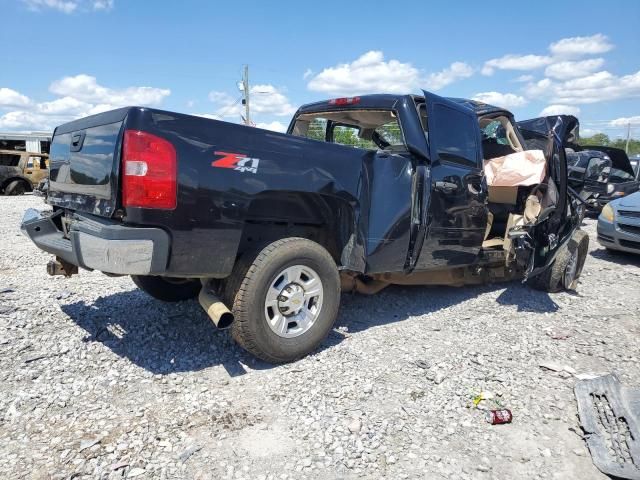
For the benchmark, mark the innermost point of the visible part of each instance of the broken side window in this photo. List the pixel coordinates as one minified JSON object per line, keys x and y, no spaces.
{"x":20,"y":145}
{"x":9,"y":160}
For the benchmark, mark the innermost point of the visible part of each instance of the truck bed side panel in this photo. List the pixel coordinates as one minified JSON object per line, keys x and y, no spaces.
{"x":213,"y":201}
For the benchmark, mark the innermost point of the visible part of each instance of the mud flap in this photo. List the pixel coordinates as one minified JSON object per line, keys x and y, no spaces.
{"x":609,"y":414}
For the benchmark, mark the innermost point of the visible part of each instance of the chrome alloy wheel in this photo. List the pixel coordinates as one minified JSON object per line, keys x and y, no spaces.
{"x":293,"y":301}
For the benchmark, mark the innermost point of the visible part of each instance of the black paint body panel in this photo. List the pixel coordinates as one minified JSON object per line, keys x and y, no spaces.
{"x":383,"y":211}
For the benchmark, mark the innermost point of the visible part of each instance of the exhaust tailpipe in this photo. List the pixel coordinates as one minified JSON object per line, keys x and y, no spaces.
{"x":217,"y":311}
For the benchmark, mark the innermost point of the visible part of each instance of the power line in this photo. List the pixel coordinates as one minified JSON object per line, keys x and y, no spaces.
{"x":227,"y":108}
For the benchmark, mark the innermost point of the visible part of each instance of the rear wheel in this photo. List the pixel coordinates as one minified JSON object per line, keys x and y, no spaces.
{"x":567,"y":267}
{"x":17,"y":187}
{"x":168,"y":289}
{"x":285,"y":299}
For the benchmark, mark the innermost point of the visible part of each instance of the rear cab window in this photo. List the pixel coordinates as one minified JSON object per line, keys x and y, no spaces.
{"x":358,"y":128}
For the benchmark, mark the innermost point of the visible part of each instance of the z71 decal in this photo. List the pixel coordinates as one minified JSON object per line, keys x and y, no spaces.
{"x":237,"y":161}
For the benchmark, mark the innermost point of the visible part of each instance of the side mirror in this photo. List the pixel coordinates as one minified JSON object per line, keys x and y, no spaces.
{"x":597,"y":170}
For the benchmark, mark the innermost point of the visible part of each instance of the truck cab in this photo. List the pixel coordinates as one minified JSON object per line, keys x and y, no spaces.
{"x":430,"y":207}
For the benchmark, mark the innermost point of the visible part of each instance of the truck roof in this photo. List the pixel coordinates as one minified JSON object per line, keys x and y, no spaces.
{"x":386,"y":100}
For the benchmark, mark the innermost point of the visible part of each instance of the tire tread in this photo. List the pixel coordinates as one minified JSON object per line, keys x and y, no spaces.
{"x":238,"y":291}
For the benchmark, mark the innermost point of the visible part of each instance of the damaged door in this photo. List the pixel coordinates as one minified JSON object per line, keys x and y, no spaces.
{"x":387,"y":181}
{"x":559,"y":217}
{"x":458,"y":205}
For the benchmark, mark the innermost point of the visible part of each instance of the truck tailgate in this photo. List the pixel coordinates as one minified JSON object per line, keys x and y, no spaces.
{"x":84,"y":163}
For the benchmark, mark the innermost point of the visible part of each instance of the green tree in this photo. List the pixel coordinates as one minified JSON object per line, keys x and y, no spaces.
{"x":601,"y":139}
{"x":634,"y":145}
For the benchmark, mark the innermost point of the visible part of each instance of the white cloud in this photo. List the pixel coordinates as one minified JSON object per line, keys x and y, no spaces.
{"x":580,"y":46}
{"x":69,"y":6}
{"x":86,"y":88}
{"x":63,"y":106}
{"x":367,"y":74}
{"x":102,"y":4}
{"x":560,"y":110}
{"x":267,"y":99}
{"x":275,"y":126}
{"x":11,"y":98}
{"x":596,"y":87}
{"x":588,"y":132}
{"x":624,"y":121}
{"x":515,"y":62}
{"x":524,"y":78}
{"x":263,"y":99}
{"x":25,"y":120}
{"x":457,"y":70}
{"x":504,"y":100}
{"x":568,"y":69}
{"x":307,"y":73}
{"x":220,"y":97}
{"x":560,"y":51}
{"x":538,"y":89}
{"x":79,"y":96}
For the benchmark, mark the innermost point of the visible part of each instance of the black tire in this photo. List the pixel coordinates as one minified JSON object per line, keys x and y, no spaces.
{"x":246,"y":289}
{"x":16,"y":187}
{"x":168,"y":289}
{"x":553,"y":279}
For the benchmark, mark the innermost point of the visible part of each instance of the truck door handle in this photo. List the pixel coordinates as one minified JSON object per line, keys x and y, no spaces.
{"x":28,"y":171}
{"x":446,"y":187}
{"x":77,"y":139}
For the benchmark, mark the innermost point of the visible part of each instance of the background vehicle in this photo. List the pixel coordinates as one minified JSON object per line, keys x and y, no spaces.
{"x":619,"y":224}
{"x":21,"y":172}
{"x":361,"y":193}
{"x":599,"y":174}
{"x":598,"y":179}
{"x":635,"y":163}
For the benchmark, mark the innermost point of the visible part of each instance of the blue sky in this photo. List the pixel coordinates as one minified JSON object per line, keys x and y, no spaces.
{"x":68,"y":58}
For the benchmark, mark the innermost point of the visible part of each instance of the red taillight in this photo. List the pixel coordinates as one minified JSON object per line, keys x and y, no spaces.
{"x":344,"y":101}
{"x":148,"y":171}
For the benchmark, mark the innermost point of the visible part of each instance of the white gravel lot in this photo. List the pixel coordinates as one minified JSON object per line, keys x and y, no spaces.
{"x":98,"y":380}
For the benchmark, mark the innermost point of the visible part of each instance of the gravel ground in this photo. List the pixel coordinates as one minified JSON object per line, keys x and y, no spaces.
{"x":98,"y":380}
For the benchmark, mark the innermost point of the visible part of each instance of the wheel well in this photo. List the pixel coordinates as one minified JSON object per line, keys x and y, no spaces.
{"x":324,"y":219}
{"x":9,"y":180}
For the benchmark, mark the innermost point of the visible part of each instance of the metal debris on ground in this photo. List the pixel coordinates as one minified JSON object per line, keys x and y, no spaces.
{"x":610,"y":414}
{"x":184,"y":456}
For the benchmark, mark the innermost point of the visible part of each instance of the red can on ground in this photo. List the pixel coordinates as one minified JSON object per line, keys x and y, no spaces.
{"x":498,"y":417}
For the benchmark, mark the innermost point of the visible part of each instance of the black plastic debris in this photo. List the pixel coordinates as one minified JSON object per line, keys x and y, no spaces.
{"x":610,"y":414}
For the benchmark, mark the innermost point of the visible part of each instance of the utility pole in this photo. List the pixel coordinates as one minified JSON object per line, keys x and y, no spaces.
{"x":626,"y":149}
{"x":245,"y":101}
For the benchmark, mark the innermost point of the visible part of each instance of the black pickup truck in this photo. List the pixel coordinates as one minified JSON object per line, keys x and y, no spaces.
{"x":267,"y":228}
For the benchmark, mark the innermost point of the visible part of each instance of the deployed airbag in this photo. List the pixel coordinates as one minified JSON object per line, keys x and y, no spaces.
{"x":516,"y":169}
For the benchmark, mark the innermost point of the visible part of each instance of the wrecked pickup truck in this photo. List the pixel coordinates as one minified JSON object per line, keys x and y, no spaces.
{"x":267,"y":229}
